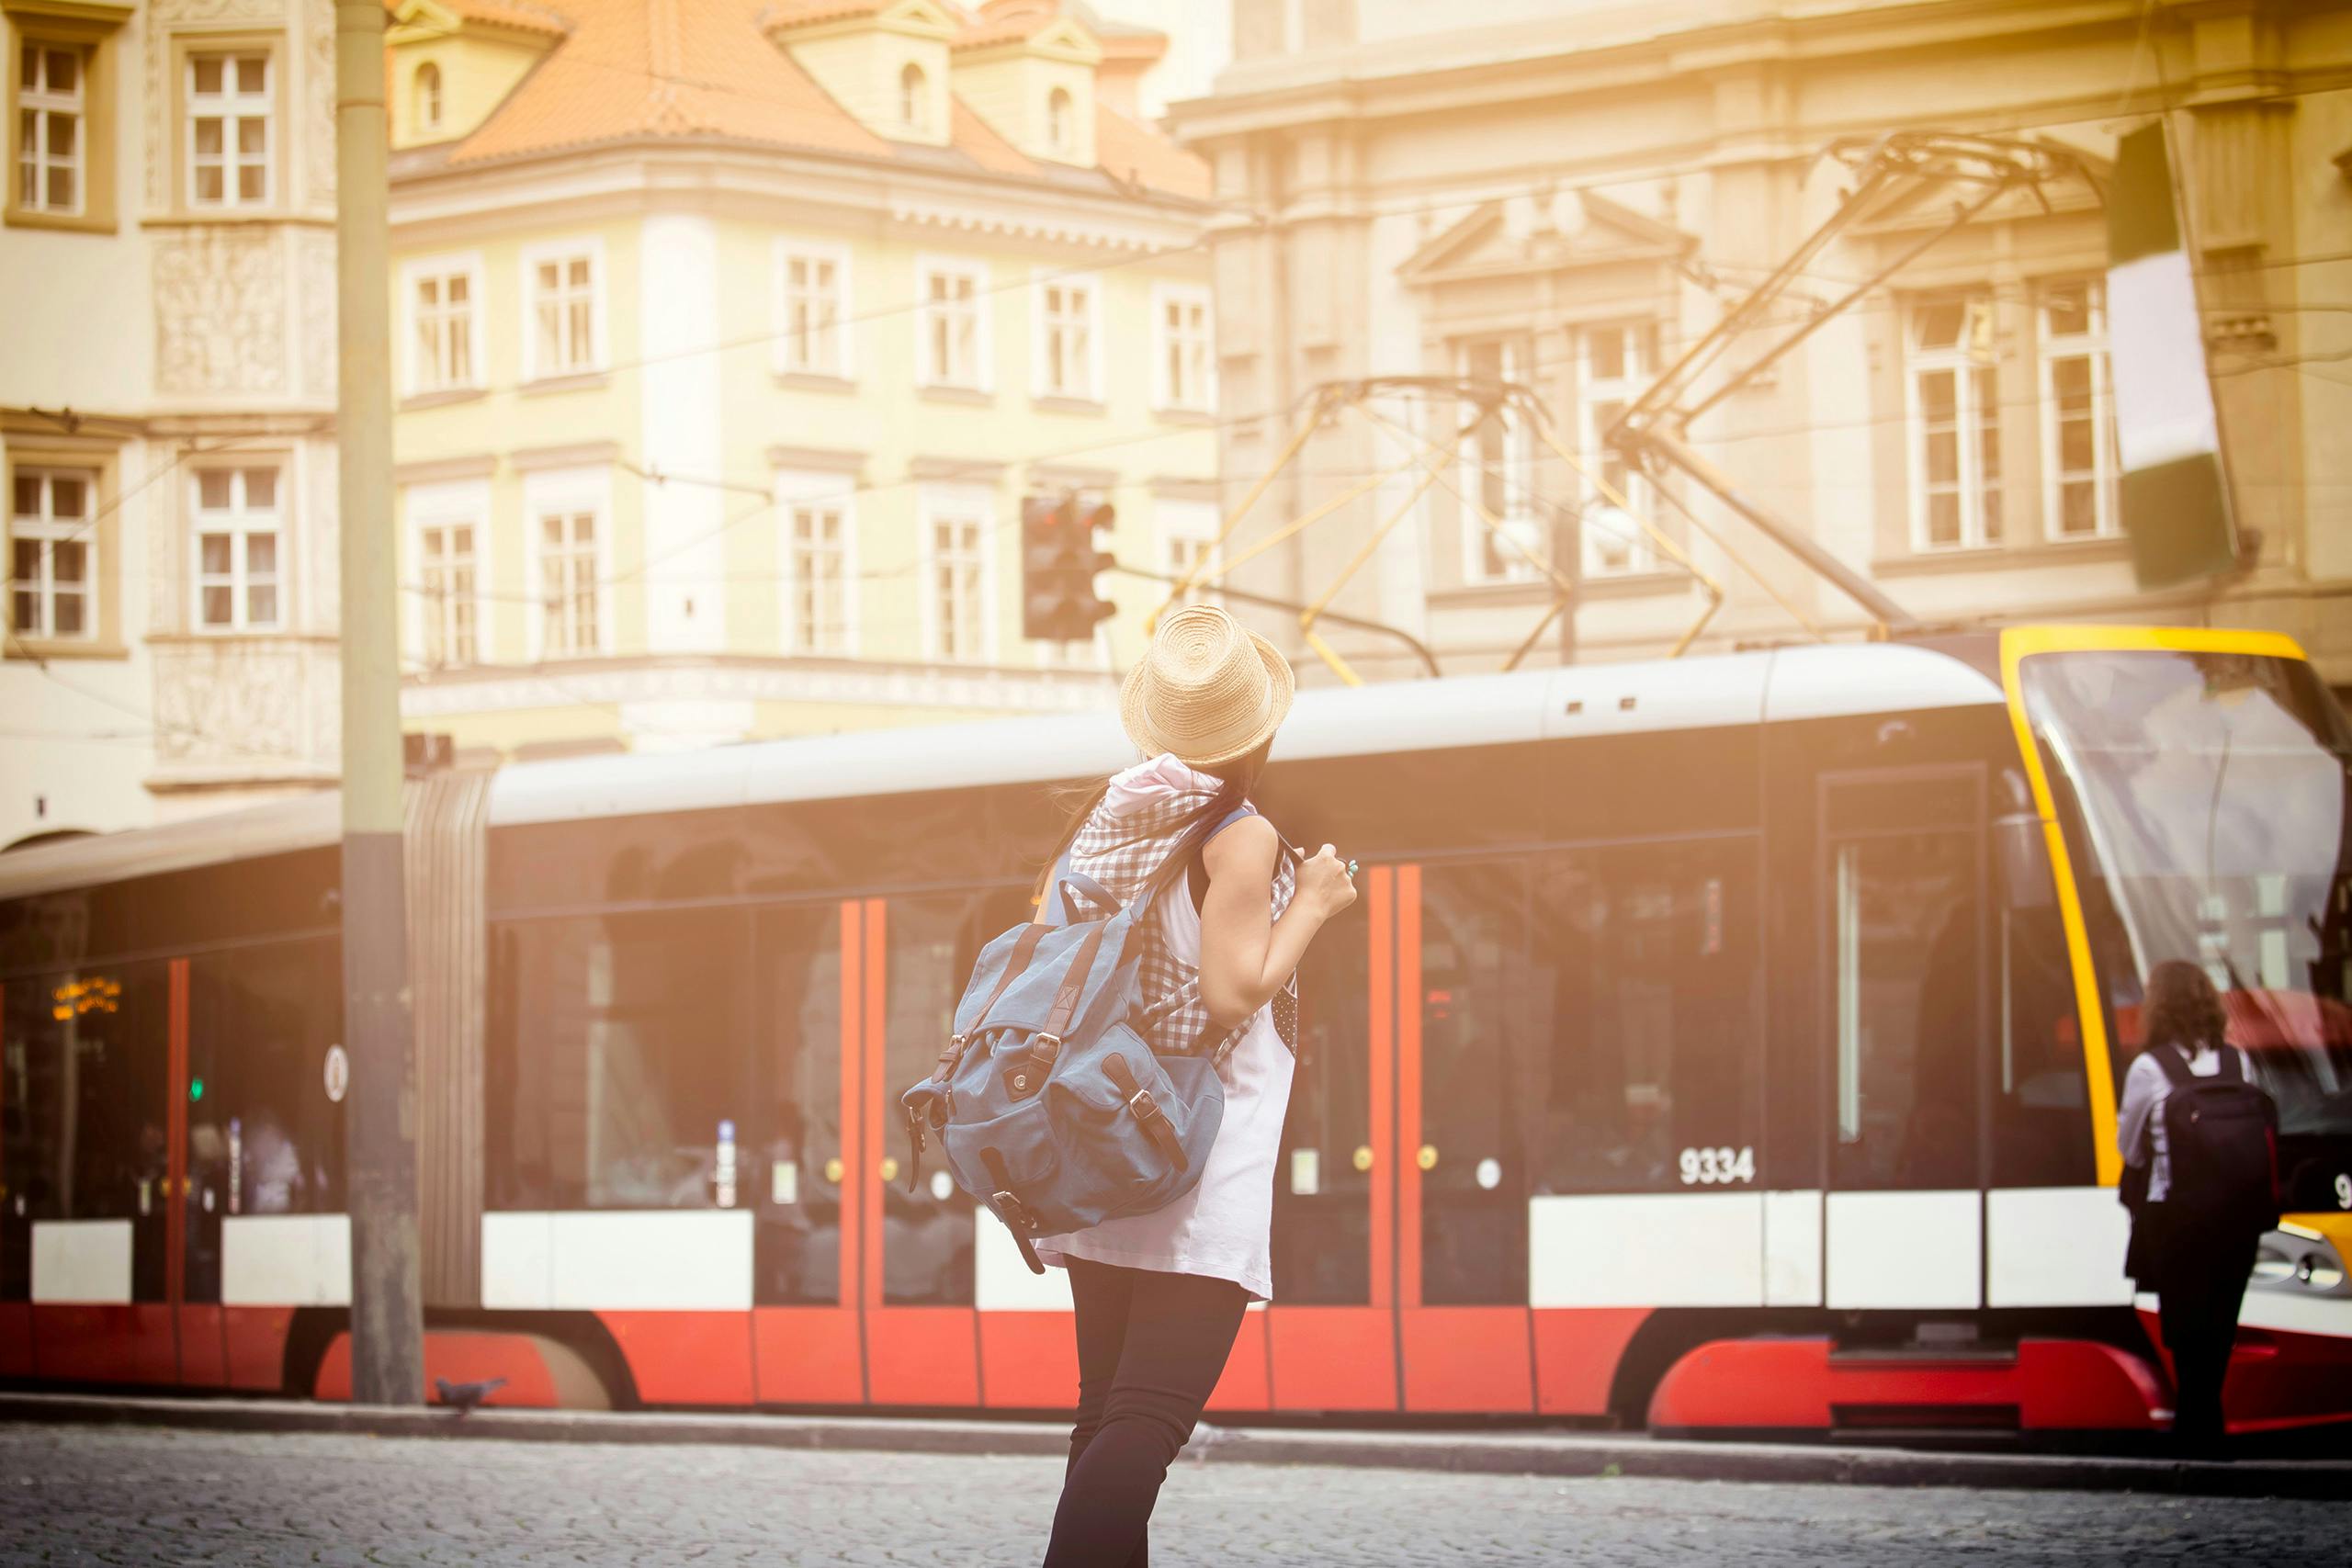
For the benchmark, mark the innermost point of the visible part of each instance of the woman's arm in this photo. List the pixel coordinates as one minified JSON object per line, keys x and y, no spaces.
{"x":1247,"y":955}
{"x":2143,"y":1087}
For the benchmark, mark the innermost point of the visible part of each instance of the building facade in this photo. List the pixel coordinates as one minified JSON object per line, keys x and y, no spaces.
{"x":166,"y":404}
{"x":1571,"y":193}
{"x":731,"y":337}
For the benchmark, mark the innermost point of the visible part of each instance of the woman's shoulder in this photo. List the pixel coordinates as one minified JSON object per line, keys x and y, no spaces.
{"x":1241,"y":843}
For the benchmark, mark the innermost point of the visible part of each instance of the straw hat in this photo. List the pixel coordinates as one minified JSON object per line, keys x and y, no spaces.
{"x":1207,"y":689}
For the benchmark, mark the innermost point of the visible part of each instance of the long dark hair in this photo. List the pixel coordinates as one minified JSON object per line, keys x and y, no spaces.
{"x":1236,"y":779}
{"x":2181,"y":1007}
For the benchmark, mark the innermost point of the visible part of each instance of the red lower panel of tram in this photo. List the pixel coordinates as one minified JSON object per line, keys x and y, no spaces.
{"x":1028,"y":1361}
{"x":1468,"y":1359}
{"x":807,"y":1355}
{"x":16,"y":1339}
{"x":922,"y":1356}
{"x":255,"y":1338}
{"x":1577,"y":1352}
{"x":204,"y":1347}
{"x":2279,"y":1379}
{"x":686,"y":1357}
{"x":1758,"y":1385}
{"x":461,"y":1357}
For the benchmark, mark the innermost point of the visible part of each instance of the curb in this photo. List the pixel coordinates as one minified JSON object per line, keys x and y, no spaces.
{"x":1551,"y":1455}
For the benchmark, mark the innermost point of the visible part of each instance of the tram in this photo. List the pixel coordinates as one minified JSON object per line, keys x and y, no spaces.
{"x":1724,"y":1045}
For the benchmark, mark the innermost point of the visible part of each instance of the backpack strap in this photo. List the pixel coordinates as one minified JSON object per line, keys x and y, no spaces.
{"x":1008,"y":1206}
{"x":2174,"y":1063}
{"x":1145,"y":1109}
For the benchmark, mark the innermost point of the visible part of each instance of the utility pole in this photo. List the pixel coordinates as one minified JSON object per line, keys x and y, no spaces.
{"x":387,"y":1322}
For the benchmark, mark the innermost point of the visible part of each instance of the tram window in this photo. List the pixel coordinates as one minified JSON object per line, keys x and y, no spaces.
{"x":1322,"y":1235}
{"x":793,"y":1173}
{"x":626,"y":1074}
{"x":16,"y":1125}
{"x":1476,"y":969}
{"x":2041,"y":1105}
{"x":1906,"y":984}
{"x":263,"y":1136}
{"x":88,"y":1057}
{"x":1646,"y":991}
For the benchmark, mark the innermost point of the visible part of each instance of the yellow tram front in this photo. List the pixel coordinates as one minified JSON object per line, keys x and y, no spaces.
{"x":2192,"y":785}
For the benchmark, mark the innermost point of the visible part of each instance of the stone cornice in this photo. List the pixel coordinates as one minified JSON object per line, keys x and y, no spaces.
{"x":833,"y":190}
{"x":703,"y":678}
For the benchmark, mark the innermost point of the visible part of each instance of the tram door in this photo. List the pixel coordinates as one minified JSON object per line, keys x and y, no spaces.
{"x":1902,"y":877}
{"x":952,"y":1315}
{"x":1329,"y":1340}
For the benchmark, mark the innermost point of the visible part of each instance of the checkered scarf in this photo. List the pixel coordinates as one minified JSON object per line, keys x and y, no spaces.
{"x":1121,"y":850}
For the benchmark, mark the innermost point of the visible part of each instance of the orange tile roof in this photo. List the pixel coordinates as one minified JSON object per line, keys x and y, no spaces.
{"x":628,"y":69}
{"x":516,"y":14}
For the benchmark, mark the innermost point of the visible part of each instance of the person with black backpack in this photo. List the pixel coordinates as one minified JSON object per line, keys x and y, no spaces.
{"x":2200,"y":1141}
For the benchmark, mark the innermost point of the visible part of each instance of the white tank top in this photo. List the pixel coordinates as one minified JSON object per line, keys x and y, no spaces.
{"x":1223,"y":1227}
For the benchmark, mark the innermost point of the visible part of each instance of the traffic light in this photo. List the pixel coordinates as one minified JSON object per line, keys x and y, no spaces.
{"x":1059,"y":561}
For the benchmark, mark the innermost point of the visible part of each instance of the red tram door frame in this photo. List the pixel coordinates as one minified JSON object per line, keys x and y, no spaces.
{"x":914,"y":1355}
{"x":1476,"y":1358}
{"x":811,"y":1354}
{"x":1346,"y":1358}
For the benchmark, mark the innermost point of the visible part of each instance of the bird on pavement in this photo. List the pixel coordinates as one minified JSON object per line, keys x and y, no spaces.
{"x":465,"y":1397}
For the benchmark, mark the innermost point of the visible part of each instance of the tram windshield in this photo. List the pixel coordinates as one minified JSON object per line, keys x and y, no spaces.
{"x":2206,"y":798}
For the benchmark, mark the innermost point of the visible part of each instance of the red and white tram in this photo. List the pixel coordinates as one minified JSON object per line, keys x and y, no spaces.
{"x":1727,"y":1044}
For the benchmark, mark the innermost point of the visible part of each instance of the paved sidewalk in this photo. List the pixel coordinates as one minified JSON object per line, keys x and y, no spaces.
{"x":1549,"y":1454}
{"x":149,"y":1496}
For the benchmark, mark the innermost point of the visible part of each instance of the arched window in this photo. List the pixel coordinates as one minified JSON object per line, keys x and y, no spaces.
{"x":1061,"y":129}
{"x":428,"y":96}
{"x":914,"y":100}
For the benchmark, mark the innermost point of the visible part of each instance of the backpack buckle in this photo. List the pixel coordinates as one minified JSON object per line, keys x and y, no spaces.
{"x":1143,"y":1105}
{"x":1013,"y":1210}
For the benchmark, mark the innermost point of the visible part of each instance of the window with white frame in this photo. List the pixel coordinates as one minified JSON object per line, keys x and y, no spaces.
{"x":572,"y":614}
{"x":239,"y":531}
{"x":425,"y":107}
{"x":53,"y":126}
{"x":1066,"y":338}
{"x":957,"y":528}
{"x":914,"y":98}
{"x":1185,"y":534}
{"x":229,"y":100}
{"x":52,"y":558}
{"x":2077,"y":412}
{"x":1954,"y":413}
{"x":1183,"y":349}
{"x":565,"y":315}
{"x":953,"y":340}
{"x":442,"y":300}
{"x":1061,"y":120}
{"x":446,"y":571}
{"x":1497,"y":487}
{"x":819,"y":571}
{"x":1613,"y":366}
{"x":812,"y":304}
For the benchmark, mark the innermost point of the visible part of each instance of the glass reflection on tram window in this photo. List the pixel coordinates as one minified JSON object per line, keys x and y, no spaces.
{"x":793,"y":1176}
{"x":89,"y":1054}
{"x":264,"y":1137}
{"x":1322,"y":1223}
{"x":1906,"y":983}
{"x":2041,"y":1106}
{"x":629,"y":1053}
{"x":931,"y":945}
{"x":1645,"y":987}
{"x":1478,"y":973}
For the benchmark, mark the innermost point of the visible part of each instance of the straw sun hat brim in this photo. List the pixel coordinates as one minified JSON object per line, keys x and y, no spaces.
{"x":1134,"y":702}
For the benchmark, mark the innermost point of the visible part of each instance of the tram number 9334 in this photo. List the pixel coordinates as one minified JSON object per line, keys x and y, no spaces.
{"x":1715,"y":1168}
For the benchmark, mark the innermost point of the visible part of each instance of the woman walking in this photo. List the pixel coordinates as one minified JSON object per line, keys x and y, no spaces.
{"x":2198,"y":1270}
{"x":1159,"y":1296}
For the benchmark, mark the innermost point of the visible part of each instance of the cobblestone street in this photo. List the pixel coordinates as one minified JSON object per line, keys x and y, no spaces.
{"x":79,"y":1495}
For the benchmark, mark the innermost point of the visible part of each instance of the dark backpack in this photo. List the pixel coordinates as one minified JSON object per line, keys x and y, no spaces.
{"x":2221,"y":1138}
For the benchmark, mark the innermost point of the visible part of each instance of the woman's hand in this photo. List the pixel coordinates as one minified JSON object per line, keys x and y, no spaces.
{"x":1324,"y":884}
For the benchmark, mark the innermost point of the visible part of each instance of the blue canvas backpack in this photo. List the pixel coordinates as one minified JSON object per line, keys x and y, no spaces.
{"x":1045,"y":1102}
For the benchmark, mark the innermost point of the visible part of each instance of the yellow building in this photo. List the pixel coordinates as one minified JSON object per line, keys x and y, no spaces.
{"x":730,"y":335}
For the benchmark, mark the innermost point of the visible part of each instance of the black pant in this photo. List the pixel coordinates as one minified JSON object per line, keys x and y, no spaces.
{"x":1150,"y":1348}
{"x":2198,"y":1313}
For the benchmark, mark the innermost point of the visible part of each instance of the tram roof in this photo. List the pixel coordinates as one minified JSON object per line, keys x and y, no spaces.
{"x":1776,"y":685}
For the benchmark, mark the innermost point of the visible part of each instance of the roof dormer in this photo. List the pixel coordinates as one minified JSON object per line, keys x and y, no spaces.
{"x":883,"y":61}
{"x":1028,"y":72}
{"x":450,"y":62}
